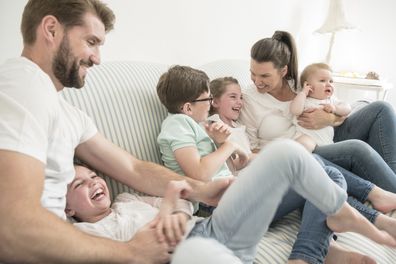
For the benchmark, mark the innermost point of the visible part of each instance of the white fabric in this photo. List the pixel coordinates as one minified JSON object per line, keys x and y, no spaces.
{"x":322,"y":136}
{"x":122,"y":100}
{"x":37,"y":122}
{"x":198,"y":250}
{"x":130,"y":212}
{"x":265,"y":118}
{"x":238,"y":133}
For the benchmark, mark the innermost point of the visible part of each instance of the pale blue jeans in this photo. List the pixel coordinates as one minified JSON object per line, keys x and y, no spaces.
{"x":314,"y":236}
{"x":248,"y":206}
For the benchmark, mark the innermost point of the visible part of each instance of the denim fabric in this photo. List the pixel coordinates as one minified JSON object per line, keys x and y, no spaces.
{"x":376,"y":125}
{"x":249,"y":205}
{"x":359,"y":158}
{"x":357,"y":186}
{"x":198,"y":250}
{"x":370,"y":213}
{"x":313,"y":238}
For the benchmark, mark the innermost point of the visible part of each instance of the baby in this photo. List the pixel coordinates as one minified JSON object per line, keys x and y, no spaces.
{"x":317,"y":92}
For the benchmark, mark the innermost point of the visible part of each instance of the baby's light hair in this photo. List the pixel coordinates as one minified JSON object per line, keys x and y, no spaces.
{"x":311,"y":69}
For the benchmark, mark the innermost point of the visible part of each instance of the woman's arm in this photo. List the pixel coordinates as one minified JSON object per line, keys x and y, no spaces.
{"x":316,"y":118}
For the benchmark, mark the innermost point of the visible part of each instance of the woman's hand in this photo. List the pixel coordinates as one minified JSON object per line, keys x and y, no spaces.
{"x":316,"y":118}
{"x":329,"y":108}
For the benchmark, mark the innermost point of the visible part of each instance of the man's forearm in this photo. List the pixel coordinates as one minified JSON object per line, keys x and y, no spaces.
{"x":38,"y":236}
{"x":31,"y":234}
{"x":154,"y":178}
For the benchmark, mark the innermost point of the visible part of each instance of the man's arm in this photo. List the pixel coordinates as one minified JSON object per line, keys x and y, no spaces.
{"x":31,"y":234}
{"x":143,"y":176}
{"x":316,"y":118}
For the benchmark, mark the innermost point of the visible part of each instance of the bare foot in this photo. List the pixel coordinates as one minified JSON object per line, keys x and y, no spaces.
{"x":386,"y":223}
{"x":338,"y":254}
{"x":382,"y":200}
{"x":349,"y":219}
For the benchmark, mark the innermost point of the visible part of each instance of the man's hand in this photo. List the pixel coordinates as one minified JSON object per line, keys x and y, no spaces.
{"x":316,"y":118}
{"x":217,"y":131}
{"x":209,"y":193}
{"x":170,"y":226}
{"x":148,"y":249}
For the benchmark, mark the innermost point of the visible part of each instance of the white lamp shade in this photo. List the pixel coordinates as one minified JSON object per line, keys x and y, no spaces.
{"x":336,"y":19}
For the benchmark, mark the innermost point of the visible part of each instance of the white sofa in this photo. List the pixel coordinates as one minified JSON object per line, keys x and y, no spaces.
{"x":121,"y":98}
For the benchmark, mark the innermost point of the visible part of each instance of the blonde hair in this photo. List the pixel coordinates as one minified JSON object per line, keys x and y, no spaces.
{"x":311,"y":69}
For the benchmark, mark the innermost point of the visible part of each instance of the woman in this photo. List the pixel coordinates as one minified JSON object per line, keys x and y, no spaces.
{"x":188,"y":150}
{"x":226,"y":107}
{"x":267,"y":117}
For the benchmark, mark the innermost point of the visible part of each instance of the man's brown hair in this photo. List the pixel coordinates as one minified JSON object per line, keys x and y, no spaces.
{"x":69,"y":13}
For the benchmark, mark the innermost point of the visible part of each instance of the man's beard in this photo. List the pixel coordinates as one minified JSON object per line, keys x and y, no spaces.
{"x":66,"y":67}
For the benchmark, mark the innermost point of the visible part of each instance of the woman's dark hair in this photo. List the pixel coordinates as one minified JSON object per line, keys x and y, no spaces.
{"x":281,"y":51}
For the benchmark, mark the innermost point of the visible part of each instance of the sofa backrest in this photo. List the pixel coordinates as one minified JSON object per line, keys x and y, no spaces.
{"x":121,"y":99}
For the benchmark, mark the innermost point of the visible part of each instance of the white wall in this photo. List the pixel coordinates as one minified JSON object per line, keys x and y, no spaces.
{"x":196,"y":32}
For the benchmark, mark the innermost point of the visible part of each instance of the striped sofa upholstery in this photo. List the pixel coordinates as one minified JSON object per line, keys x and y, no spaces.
{"x":121,"y":99}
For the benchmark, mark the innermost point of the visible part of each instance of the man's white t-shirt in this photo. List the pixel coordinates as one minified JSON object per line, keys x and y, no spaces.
{"x":35,"y":120}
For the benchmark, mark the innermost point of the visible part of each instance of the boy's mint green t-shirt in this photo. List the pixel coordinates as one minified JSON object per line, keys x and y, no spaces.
{"x":179,"y":131}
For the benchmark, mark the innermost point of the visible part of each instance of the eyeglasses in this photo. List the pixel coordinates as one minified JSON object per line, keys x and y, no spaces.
{"x":210,"y":99}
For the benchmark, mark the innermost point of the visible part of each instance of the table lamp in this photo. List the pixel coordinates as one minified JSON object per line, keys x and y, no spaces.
{"x":334,"y":22}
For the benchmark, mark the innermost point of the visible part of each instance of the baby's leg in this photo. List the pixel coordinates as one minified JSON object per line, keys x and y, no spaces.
{"x":307,"y":142}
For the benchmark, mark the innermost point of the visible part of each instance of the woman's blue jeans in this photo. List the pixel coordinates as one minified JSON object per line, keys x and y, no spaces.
{"x":366,"y":145}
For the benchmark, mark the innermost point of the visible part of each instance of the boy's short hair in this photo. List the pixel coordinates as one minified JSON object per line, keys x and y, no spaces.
{"x":310,"y":69}
{"x":181,"y":84}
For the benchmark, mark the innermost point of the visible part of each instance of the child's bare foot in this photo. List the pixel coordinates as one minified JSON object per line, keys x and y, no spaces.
{"x":338,"y":254}
{"x":386,"y":223}
{"x":382,"y":200}
{"x":349,"y":219}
